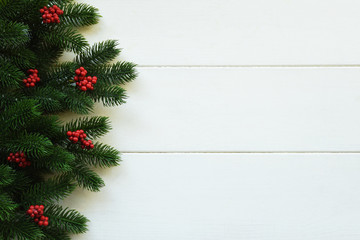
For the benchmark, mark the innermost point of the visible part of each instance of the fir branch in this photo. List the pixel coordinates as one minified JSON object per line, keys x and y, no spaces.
{"x":55,"y":234}
{"x":118,"y":73}
{"x":80,"y":14}
{"x":109,"y":96}
{"x":60,"y":2}
{"x":46,"y":56}
{"x":101,"y":155}
{"x":13,"y":34}
{"x":77,"y":102}
{"x":10,"y":75}
{"x":98,"y":54}
{"x":47,"y":192}
{"x":60,"y":74}
{"x":32,"y":144}
{"x":7,"y":207}
{"x":66,"y":220}
{"x":21,"y":228}
{"x":7,"y":175}
{"x":48,"y":98}
{"x":22,"y":58}
{"x":94,"y":127}
{"x":22,"y":181}
{"x":9,"y":97}
{"x":86,"y":178}
{"x":19,"y":113}
{"x":66,"y":38}
{"x":58,"y":160}
{"x":47,"y":125}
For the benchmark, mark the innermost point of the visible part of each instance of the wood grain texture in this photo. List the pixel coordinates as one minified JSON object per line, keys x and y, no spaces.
{"x":232,"y":32}
{"x":227,"y":197}
{"x":239,"y":110}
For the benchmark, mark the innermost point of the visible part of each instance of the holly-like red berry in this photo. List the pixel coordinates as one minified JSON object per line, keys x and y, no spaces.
{"x":32,"y":79}
{"x":37,"y":213}
{"x":51,"y":14}
{"x":84,"y":82}
{"x":80,"y":136}
{"x":19,"y":158}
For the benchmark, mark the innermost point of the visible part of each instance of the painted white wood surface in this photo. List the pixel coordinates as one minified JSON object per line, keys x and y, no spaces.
{"x":232,"y":32}
{"x":239,"y":110}
{"x":226,"y":197}
{"x":188,"y":99}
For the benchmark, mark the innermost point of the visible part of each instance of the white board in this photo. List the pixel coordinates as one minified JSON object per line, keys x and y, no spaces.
{"x":227,"y":197}
{"x":232,"y":32}
{"x":239,"y":110}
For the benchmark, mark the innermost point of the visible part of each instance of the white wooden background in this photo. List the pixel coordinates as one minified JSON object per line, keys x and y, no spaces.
{"x":244,"y":122}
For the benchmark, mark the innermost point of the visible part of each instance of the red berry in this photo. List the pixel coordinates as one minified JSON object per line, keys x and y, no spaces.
{"x":83,"y":88}
{"x":46,"y":223}
{"x":41,"y":223}
{"x":69,"y":133}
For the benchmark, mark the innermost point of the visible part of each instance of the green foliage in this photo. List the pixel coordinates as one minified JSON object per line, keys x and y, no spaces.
{"x":52,"y":163}
{"x":101,"y":156}
{"x":19,"y":227}
{"x":29,"y":117}
{"x":109,"y":96}
{"x":118,"y":73}
{"x":80,"y":15}
{"x":10,"y":75}
{"x":68,"y":39}
{"x":98,"y":54}
{"x":93,"y":126}
{"x":7,"y":206}
{"x":47,"y":192}
{"x":67,"y":220}
{"x":18,"y":113}
{"x":85,"y":177}
{"x":13,"y":34}
{"x":7,"y":175}
{"x":33,"y":144}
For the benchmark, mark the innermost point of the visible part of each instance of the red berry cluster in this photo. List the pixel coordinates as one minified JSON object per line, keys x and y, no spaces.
{"x":32,"y":79}
{"x":37,"y":212}
{"x":19,"y":158}
{"x":84,"y":82}
{"x":51,"y":14}
{"x":79,"y":135}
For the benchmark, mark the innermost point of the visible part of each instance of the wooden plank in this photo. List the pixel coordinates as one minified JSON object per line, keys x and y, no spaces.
{"x":226,"y":196}
{"x":232,"y":32}
{"x":238,"y":110}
